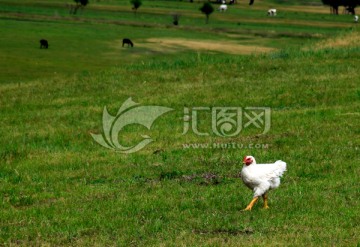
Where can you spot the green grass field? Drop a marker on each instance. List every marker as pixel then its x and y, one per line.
pixel 58 187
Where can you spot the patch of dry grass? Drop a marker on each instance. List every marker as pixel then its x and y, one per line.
pixel 205 45
pixel 350 39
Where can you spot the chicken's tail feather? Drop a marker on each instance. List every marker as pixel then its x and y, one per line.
pixel 281 167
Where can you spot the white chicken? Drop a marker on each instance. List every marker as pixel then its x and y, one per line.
pixel 261 178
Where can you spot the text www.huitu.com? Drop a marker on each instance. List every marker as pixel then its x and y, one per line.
pixel 230 145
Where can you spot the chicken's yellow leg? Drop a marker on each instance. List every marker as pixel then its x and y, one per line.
pixel 251 204
pixel 265 197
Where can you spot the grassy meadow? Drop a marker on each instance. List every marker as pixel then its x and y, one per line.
pixel 59 187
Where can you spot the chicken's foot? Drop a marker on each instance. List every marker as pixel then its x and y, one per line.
pixel 251 204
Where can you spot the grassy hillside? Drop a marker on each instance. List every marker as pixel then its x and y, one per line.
pixel 60 188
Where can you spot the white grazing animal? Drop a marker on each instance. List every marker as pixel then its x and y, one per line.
pixel 223 8
pixel 272 12
pixel 261 178
pixel 356 18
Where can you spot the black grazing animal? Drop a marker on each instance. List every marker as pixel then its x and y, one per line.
pixel 44 43
pixel 128 42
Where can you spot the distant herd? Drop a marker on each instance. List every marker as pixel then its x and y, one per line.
pixel 223 7
pixel 45 44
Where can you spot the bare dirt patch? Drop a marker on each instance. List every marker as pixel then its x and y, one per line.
pixel 170 44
